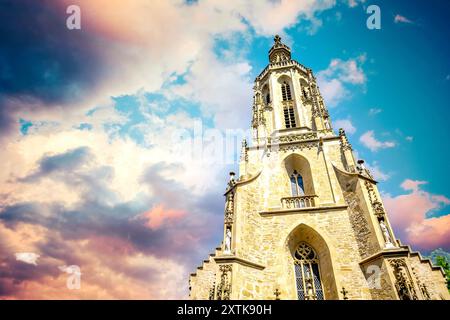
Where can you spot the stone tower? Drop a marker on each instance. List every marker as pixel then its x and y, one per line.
pixel 304 220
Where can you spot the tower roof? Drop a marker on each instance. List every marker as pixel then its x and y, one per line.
pixel 279 51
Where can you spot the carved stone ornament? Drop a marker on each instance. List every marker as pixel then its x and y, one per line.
pixel 300 146
pixel 403 281
pixel 212 291
pixel 224 287
pixel 229 208
pixel 227 242
pixel 377 206
pixel 345 145
pixel 296 137
pixel 378 209
pixel 423 288
pixel 244 150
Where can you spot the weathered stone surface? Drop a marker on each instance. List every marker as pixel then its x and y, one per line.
pixel 340 219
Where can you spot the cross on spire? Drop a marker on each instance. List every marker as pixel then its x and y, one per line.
pixel 277 39
pixel 277 294
pixel 344 293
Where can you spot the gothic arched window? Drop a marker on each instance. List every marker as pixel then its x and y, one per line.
pixel 297 184
pixel 307 276
pixel 286 91
pixel 289 116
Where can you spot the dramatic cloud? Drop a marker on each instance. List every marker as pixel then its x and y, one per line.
pixel 100 167
pixel 83 196
pixel 368 140
pixel 413 218
pixel 27 257
pixel 82 179
pixel 158 215
pixel 345 124
pixel 334 80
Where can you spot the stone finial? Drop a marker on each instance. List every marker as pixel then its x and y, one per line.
pixel 277 39
pixel 231 183
pixel 244 153
pixel 344 141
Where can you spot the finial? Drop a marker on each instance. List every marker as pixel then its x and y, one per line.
pixel 277 39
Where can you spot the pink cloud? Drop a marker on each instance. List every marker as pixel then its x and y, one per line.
pixel 408 214
pixel 158 215
pixel 412 184
pixel 134 275
pixel 401 19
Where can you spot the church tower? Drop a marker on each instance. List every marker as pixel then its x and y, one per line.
pixel 303 219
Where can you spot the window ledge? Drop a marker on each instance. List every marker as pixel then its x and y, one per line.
pixel 280 211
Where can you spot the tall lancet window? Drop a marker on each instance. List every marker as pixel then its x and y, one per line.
pixel 297 184
pixel 289 116
pixel 286 91
pixel 307 275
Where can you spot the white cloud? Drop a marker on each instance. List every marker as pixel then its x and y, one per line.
pixel 409 138
pixel 334 80
pixel 345 124
pixel 140 57
pixel 224 90
pixel 374 111
pixel 271 17
pixel 333 91
pixel 27 257
pixel 377 173
pixel 354 3
pixel 368 140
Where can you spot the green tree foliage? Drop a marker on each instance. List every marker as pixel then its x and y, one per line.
pixel 442 258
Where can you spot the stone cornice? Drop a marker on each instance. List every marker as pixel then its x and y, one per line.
pixel 300 210
pixel 401 251
pixel 282 65
pixel 355 174
pixel 385 253
pixel 421 258
pixel 234 259
pixel 272 146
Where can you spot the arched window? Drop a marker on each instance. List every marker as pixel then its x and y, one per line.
pixel 289 116
pixel 286 91
pixel 309 286
pixel 297 184
pixel 267 98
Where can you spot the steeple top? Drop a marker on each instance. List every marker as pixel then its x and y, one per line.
pixel 279 51
pixel 277 39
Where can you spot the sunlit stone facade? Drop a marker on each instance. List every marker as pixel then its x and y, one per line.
pixel 304 219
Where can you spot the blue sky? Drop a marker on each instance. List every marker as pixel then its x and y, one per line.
pixel 91 119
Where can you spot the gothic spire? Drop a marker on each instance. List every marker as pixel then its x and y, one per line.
pixel 279 51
